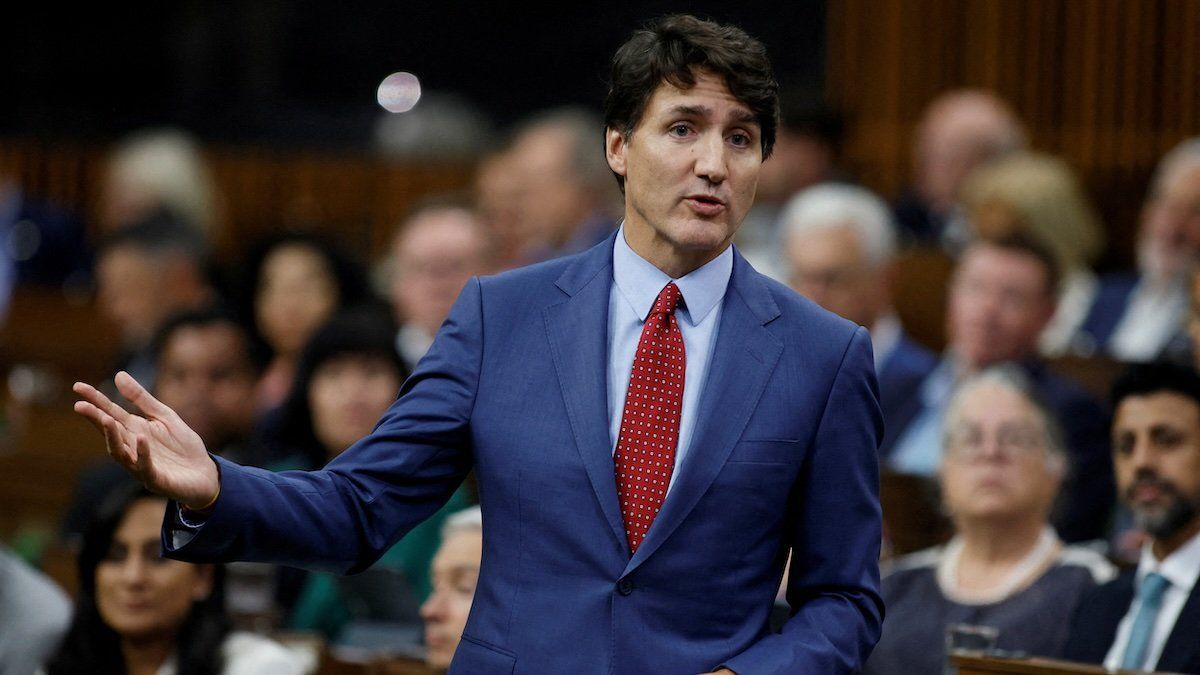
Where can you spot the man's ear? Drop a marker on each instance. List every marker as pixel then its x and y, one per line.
pixel 615 143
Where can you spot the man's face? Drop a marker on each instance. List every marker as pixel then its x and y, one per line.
pixel 690 167
pixel 455 573
pixel 1156 454
pixel 1169 242
pixel 999 303
pixel 204 374
pixel 434 257
pixel 830 267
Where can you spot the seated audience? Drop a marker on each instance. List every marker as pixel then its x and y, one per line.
pixel 348 375
pixel 1040 195
pixel 296 281
pixel 34 614
pixel 839 242
pixel 145 273
pixel 1149 617
pixel 1141 317
pixel 1005 568
pixel 1001 297
pixel 139 613
pixel 455 574
pixel 959 131
pixel 435 251
pixel 207 372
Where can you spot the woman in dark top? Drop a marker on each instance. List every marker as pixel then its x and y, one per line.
pixel 1005 568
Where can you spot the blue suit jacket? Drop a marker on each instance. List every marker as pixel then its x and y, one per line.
pixel 784 455
pixel 1094 627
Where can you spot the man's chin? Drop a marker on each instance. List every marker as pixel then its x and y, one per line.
pixel 1162 522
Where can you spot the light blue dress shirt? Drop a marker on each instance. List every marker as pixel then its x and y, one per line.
pixel 636 284
pixel 919 448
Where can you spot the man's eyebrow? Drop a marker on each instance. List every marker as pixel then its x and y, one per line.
pixel 691 110
pixel 738 116
pixel 742 116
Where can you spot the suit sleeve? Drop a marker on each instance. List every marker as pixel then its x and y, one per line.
pixel 342 518
pixel 833 582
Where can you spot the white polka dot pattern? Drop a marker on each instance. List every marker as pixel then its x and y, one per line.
pixel 645 454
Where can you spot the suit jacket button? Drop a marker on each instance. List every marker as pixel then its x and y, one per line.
pixel 625 587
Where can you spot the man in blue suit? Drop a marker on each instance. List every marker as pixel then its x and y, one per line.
pixel 653 424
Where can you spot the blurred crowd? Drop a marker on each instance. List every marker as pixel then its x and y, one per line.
pixel 1025 458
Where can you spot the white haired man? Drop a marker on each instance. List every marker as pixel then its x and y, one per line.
pixel 839 245
pixel 1140 317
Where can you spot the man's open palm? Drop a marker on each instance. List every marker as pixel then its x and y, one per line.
pixel 158 449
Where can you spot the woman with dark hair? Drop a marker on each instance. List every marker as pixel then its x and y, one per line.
pixel 139 613
pixel 296 281
pixel 347 376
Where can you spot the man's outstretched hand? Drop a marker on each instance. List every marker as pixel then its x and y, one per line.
pixel 158 449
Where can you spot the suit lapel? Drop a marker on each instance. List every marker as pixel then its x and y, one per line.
pixel 1108 617
pixel 1180 652
pixel 578 334
pixel 743 357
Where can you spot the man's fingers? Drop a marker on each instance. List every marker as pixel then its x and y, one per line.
pixel 91 413
pixel 105 424
pixel 137 394
pixel 144 461
pixel 98 400
pixel 116 441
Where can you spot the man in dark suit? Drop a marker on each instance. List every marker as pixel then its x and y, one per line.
pixel 652 423
pixel 1149 618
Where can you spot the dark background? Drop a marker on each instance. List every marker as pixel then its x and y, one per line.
pixel 306 72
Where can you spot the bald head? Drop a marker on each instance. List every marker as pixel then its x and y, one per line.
pixel 959 131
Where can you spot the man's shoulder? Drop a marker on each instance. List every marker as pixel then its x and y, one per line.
pixel 549 276
pixel 794 309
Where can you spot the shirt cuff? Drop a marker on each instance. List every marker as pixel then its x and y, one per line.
pixel 185 526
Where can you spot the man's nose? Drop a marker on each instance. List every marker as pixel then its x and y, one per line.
pixel 1141 457
pixel 709 153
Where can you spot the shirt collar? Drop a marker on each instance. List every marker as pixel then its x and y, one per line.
pixel 1181 568
pixel 640 282
pixel 885 337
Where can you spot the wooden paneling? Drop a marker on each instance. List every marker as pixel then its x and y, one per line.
pixel 1108 85
pixel 358 199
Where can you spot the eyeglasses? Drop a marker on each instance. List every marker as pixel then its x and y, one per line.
pixel 971 443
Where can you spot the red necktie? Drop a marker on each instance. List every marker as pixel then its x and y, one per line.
pixel 645 453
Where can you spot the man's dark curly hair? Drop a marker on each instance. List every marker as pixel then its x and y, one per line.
pixel 673 49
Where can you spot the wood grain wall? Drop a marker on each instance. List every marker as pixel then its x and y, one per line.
pixel 1109 85
pixel 356 198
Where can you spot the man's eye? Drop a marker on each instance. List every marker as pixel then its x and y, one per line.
pixel 680 130
pixel 740 140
